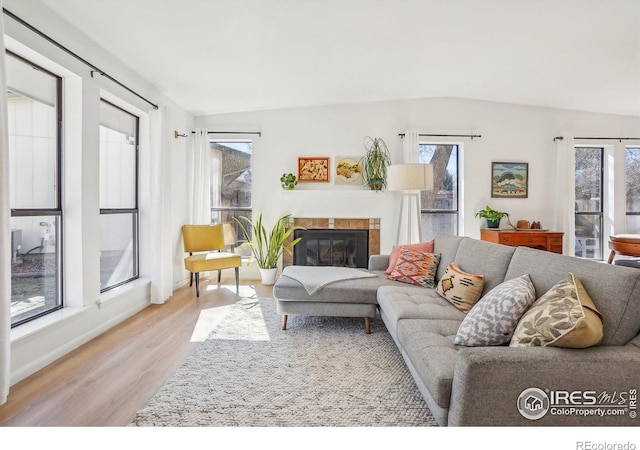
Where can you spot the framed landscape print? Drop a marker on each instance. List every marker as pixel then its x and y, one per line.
pixel 312 168
pixel 348 170
pixel 509 180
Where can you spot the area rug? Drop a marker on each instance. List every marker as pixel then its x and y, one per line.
pixel 321 372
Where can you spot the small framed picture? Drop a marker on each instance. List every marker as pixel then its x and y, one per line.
pixel 313 169
pixel 510 179
pixel 348 170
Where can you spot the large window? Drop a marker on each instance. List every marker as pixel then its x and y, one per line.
pixel 439 208
pixel 118 196
pixel 632 165
pixel 34 113
pixel 588 207
pixel 230 182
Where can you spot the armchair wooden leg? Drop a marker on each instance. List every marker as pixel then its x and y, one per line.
pixel 197 284
pixel 219 275
pixel 190 278
pixel 367 325
pixel 237 280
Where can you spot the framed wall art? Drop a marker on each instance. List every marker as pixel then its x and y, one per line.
pixel 348 170
pixel 313 168
pixel 509 179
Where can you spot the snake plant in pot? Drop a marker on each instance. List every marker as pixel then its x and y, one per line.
pixel 267 247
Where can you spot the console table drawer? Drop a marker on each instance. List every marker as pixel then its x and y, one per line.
pixel 550 241
pixel 527 241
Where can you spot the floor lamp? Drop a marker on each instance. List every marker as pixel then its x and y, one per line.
pixel 410 179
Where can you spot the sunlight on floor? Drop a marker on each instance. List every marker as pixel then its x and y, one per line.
pixel 247 307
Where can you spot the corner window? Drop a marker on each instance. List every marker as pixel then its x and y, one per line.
pixel 439 208
pixel 118 196
pixel 34 113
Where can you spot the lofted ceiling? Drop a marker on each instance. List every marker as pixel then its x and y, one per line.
pixel 218 56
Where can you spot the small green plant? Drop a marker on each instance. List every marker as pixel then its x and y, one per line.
pixel 288 181
pixel 268 247
pixel 492 216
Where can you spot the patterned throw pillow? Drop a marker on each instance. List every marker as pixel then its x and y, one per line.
pixel 462 289
pixel 416 267
pixel 494 318
pixel 426 247
pixel 564 316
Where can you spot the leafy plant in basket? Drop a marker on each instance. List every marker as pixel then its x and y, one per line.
pixel 267 248
pixel 375 163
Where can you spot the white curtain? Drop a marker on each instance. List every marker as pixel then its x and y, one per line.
pixel 162 234
pixel 565 187
pixel 410 147
pixel 200 177
pixel 5 231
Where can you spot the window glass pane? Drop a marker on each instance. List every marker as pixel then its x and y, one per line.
pixel 588 236
pixel 632 165
pixel 35 266
pixel 588 179
pixel 33 138
pixel 444 199
pixel 633 224
pixel 117 158
pixel 231 182
pixel 118 249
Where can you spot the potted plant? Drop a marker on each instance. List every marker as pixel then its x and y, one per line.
pixel 375 162
pixel 288 181
pixel 492 216
pixel 267 248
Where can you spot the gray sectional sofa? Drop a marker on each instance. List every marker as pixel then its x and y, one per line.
pixel 478 386
pixel 482 385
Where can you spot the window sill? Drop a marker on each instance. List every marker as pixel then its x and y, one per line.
pixel 41 323
pixel 113 294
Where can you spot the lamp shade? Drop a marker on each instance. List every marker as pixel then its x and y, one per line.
pixel 409 177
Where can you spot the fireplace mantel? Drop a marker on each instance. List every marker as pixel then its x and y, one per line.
pixel 335 223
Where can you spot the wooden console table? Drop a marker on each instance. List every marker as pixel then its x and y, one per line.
pixel 550 241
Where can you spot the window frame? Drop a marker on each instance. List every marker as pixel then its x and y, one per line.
pixel 426 212
pixel 56 212
pixel 135 212
pixel 628 213
pixel 600 213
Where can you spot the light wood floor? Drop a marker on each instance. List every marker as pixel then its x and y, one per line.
pixel 106 381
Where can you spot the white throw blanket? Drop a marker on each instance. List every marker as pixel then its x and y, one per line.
pixel 314 278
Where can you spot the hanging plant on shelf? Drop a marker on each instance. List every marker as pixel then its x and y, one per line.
pixel 375 162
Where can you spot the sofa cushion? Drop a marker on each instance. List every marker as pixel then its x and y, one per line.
pixel 413 302
pixel 615 290
pixel 426 247
pixel 494 318
pixel 446 245
pixel 428 344
pixel 460 288
pixel 416 267
pixel 491 260
pixel 564 316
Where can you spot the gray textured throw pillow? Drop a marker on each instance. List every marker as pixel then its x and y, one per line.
pixel 495 317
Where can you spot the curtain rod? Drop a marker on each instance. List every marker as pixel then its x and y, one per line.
pixel 75 55
pixel 619 139
pixel 177 134
pixel 445 135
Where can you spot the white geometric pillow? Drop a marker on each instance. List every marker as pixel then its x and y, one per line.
pixel 495 317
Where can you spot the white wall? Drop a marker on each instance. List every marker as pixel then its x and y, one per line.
pixel 509 133
pixel 87 312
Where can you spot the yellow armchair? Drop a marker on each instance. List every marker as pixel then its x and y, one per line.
pixel 205 245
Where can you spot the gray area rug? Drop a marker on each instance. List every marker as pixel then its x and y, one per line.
pixel 321 372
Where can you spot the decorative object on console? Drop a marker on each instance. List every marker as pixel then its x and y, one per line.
pixel 348 170
pixel 288 181
pixel 375 162
pixel 267 248
pixel 416 267
pixel 492 216
pixel 509 180
pixel 564 316
pixel 410 179
pixel 313 168
pixel 461 289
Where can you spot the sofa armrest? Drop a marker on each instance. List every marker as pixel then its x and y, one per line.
pixel 489 380
pixel 378 262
